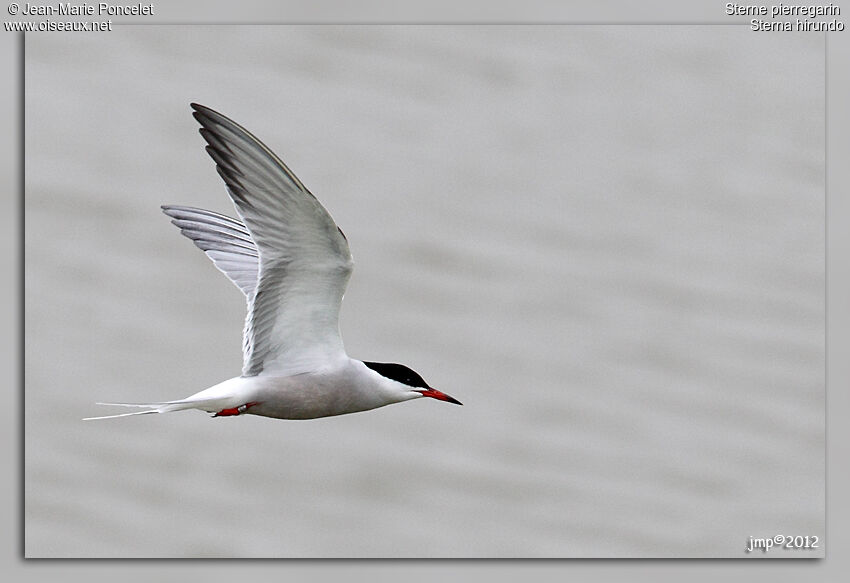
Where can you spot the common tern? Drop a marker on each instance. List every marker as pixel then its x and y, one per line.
pixel 292 262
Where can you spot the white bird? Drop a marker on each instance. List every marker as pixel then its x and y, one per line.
pixel 292 263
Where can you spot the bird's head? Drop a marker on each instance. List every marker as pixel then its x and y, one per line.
pixel 414 383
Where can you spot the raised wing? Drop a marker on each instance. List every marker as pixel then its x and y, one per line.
pixel 225 240
pixel 304 259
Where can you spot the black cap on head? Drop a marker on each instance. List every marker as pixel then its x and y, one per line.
pixel 399 373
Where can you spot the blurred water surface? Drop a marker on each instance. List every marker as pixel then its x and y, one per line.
pixel 608 242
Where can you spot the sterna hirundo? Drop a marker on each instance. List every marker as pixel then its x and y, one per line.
pixel 292 262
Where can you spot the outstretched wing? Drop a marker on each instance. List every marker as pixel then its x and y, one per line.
pixel 225 240
pixel 304 262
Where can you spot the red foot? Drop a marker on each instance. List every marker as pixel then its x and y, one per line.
pixel 236 410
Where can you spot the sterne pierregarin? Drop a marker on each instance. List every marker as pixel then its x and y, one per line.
pixel 292 262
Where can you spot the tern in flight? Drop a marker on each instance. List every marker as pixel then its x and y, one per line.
pixel 292 262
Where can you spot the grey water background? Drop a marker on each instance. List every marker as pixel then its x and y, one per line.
pixel 608 242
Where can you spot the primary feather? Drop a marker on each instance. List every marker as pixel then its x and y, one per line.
pixel 224 240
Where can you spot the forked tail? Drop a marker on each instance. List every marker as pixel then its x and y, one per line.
pixel 164 407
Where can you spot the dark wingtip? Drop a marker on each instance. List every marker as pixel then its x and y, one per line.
pixel 199 112
pixel 204 115
pixel 203 112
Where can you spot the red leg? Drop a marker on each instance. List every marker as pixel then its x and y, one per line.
pixel 236 410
